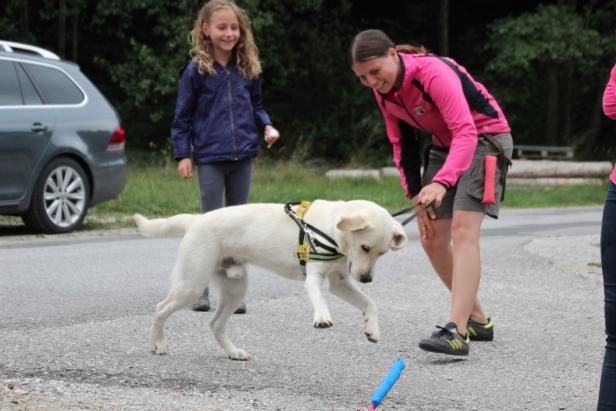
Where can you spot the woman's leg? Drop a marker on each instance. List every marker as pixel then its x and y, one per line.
pixel 466 226
pixel 607 393
pixel 441 255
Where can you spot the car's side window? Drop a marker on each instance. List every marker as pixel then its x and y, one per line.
pixel 56 86
pixel 9 88
pixel 31 97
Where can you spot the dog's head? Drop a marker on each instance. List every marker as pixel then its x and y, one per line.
pixel 366 232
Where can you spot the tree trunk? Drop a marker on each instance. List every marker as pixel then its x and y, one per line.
pixel 565 108
pixel 62 28
pixel 552 106
pixel 594 125
pixel 75 36
pixel 444 27
pixel 25 16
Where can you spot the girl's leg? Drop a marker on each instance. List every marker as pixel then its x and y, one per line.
pixel 440 252
pixel 211 186
pixel 607 394
pixel 466 226
pixel 237 183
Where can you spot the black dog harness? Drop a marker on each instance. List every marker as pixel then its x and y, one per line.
pixel 313 244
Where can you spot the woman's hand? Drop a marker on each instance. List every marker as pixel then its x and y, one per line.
pixel 185 168
pixel 432 193
pixel 271 135
pixel 424 221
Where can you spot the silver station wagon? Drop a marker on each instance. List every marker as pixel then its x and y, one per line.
pixel 61 142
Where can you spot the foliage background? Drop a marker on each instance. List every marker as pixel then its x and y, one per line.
pixel 546 63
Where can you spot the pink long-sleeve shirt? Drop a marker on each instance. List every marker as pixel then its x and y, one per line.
pixel 436 95
pixel 609 106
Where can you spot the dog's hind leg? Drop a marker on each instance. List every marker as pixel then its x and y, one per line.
pixel 231 293
pixel 341 286
pixel 191 275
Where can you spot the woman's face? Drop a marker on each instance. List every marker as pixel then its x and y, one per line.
pixel 223 29
pixel 379 73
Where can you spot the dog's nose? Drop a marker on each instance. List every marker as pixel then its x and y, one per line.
pixel 365 278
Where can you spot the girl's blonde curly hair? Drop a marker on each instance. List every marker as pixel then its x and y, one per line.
pixel 202 51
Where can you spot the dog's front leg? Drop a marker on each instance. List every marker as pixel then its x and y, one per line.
pixel 341 286
pixel 314 288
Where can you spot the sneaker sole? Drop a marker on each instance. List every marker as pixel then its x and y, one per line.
pixel 478 338
pixel 441 350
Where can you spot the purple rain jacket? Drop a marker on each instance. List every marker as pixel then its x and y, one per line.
pixel 218 117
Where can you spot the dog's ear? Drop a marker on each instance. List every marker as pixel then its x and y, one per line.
pixel 352 222
pixel 399 238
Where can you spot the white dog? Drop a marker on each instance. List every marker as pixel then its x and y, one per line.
pixel 216 245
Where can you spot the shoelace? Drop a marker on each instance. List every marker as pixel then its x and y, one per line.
pixel 443 332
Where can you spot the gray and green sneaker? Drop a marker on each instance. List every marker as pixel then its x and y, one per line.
pixel 480 332
pixel 447 340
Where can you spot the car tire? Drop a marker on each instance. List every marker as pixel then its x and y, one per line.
pixel 60 198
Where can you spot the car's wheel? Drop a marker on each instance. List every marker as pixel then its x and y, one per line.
pixel 60 198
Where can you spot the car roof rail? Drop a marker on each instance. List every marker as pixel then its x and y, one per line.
pixel 12 46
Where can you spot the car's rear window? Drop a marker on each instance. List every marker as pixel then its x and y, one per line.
pixel 9 88
pixel 56 86
pixel 30 95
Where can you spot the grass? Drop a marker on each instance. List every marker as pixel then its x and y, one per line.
pixel 154 189
pixel 157 190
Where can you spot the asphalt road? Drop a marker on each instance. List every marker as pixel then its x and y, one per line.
pixel 75 315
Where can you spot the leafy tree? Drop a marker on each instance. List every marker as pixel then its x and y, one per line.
pixel 537 57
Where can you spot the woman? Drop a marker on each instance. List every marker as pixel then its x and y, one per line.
pixel 607 394
pixel 416 89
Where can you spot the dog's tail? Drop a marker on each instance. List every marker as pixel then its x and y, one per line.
pixel 161 227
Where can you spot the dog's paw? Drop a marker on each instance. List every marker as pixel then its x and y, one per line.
pixel 322 320
pixel 159 348
pixel 238 355
pixel 372 331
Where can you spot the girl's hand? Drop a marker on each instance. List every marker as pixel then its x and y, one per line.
pixel 185 168
pixel 271 135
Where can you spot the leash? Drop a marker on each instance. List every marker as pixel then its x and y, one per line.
pixel 413 212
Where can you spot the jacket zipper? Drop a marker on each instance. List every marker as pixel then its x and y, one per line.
pixel 231 114
pixel 415 120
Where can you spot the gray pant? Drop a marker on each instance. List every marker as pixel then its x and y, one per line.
pixel 231 178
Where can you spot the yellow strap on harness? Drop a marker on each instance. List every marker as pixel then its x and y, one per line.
pixel 302 208
pixel 303 250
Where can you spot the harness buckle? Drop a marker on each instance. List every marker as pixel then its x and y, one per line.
pixel 302 208
pixel 303 252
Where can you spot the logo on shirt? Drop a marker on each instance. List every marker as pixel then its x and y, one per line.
pixel 420 111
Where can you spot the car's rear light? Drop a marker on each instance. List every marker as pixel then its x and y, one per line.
pixel 117 140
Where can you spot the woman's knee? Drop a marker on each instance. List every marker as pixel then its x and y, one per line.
pixel 465 230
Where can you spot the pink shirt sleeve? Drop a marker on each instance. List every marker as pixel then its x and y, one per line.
pixel 394 136
pixel 446 91
pixel 609 96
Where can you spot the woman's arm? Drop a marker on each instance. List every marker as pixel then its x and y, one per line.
pixel 609 96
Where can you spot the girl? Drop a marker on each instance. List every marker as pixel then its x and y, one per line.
pixel 435 94
pixel 219 114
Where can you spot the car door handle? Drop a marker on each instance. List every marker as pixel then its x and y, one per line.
pixel 38 127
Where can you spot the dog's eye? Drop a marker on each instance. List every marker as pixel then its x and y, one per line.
pixel 365 248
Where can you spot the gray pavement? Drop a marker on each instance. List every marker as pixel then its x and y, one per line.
pixel 76 313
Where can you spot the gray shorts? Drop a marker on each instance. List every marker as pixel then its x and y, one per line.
pixel 467 194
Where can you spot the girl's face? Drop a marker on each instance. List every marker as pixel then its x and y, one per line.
pixel 224 30
pixel 380 73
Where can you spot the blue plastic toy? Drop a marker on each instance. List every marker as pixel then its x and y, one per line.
pixel 390 379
